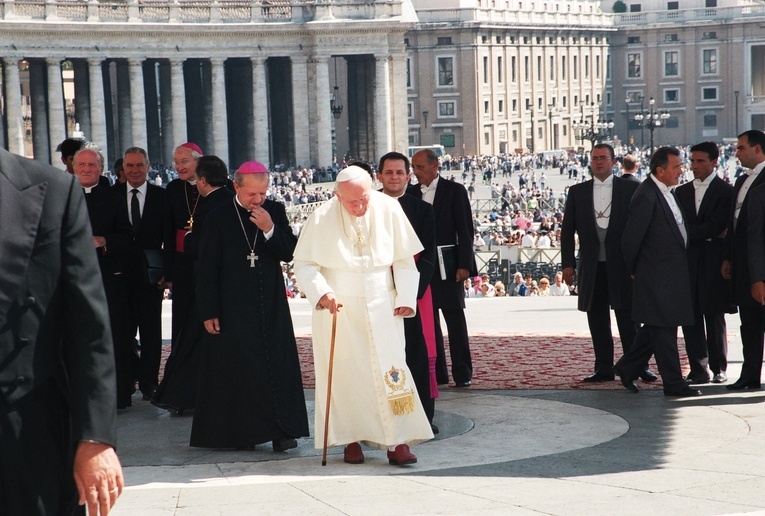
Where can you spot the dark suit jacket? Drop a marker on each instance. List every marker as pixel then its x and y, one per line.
pixel 180 204
pixel 54 323
pixel 579 217
pixel 108 218
pixel 654 251
pixel 420 215
pixel 151 231
pixel 737 244
pixel 454 226
pixel 706 249
pixel 756 233
pixel 213 200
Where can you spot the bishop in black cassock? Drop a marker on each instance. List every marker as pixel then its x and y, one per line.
pixel 250 389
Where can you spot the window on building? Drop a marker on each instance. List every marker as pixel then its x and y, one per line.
pixel 633 65
pixel 525 40
pixel 485 107
pixel 709 58
pixel 448 140
pixel 512 40
pixel 710 120
pixel 446 109
pixel 635 8
pixel 512 68
pixel 552 68
pixel 633 40
pixel 485 70
pixel 586 67
pixel 597 67
pixel 528 104
pixel 414 139
pixel 608 66
pixel 484 39
pixel 709 93
pixel 539 68
pixel 576 68
pixel 526 68
pixel 444 40
pixel 710 3
pixel 671 63
pixel 499 40
pixel 672 95
pixel 539 103
pixel 565 132
pixel 410 110
pixel 486 138
pixel 563 67
pixel 501 106
pixel 608 98
pixel 551 40
pixel 406 41
pixel 408 72
pixel 499 69
pixel 515 135
pixel 576 100
pixel 563 101
pixel 670 37
pixel 539 40
pixel 446 71
pixel 673 6
pixel 515 105
pixel 709 35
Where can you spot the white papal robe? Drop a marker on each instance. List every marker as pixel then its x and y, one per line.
pixel 374 398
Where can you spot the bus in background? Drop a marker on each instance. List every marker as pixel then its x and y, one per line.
pixel 438 149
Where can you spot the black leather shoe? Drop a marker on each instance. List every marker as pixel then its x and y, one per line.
pixel 741 384
pixel 149 394
pixel 281 445
pixel 696 380
pixel 463 384
pixel 685 392
pixel 628 383
pixel 648 376
pixel 434 429
pixel 598 377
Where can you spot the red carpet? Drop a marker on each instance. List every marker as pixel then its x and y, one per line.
pixel 508 361
pixel 522 362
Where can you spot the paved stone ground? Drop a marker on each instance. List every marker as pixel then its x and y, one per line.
pixel 499 452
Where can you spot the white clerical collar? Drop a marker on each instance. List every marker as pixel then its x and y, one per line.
pixel 88 189
pixel 664 188
pixel 192 182
pixel 236 198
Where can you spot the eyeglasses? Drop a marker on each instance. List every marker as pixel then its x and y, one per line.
pixel 600 158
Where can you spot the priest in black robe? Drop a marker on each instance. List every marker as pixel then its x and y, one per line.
pixel 250 389
pixel 177 391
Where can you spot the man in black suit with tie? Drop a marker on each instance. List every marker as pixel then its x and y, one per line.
pixel 112 237
pixel 750 151
pixel 654 246
pixel 451 209
pixel 57 399
pixel 706 203
pixel 145 205
pixel 394 173
pixel 596 210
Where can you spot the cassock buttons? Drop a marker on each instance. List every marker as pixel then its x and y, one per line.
pixel 30 301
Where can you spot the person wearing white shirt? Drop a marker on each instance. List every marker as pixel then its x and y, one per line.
pixel 528 239
pixel 559 288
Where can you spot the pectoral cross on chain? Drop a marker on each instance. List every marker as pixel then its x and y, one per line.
pixel 359 241
pixel 252 257
pixel 190 222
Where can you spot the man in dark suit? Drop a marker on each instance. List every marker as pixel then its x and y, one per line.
pixel 145 205
pixel 112 237
pixel 57 399
pixel 750 151
pixel 451 209
pixel 394 173
pixel 629 169
pixel 706 203
pixel 654 247
pixel 596 210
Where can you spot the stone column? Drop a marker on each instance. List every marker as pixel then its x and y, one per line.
pixel 56 111
pixel 323 120
pixel 399 118
pixel 260 151
pixel 82 97
pixel 166 111
pixel 97 103
pixel 178 89
pixel 383 118
pixel 300 110
pixel 137 103
pixel 219 115
pixel 41 149
pixel 13 106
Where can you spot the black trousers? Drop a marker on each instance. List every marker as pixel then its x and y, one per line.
pixel 752 330
pixel 599 321
pixel 717 342
pixel 661 342
pixel 459 347
pixel 146 318
pixel 418 363
pixel 183 293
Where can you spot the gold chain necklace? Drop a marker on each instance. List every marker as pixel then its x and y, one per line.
pixel 252 256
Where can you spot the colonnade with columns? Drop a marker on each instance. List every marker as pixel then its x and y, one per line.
pixel 272 109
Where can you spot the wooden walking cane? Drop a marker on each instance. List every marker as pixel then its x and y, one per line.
pixel 329 387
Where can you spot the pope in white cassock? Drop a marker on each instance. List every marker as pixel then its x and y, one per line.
pixel 355 256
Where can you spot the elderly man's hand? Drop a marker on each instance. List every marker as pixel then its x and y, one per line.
pixel 403 311
pixel 98 474
pixel 329 301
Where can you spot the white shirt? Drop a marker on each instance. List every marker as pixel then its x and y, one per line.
pixel 141 198
pixel 527 240
pixel 602 195
pixel 429 192
pixel 745 189
pixel 544 242
pixel 555 290
pixel 700 188
pixel 676 211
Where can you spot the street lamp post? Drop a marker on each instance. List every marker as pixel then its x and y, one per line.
pixel 736 94
pixel 592 130
pixel 627 101
pixel 652 119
